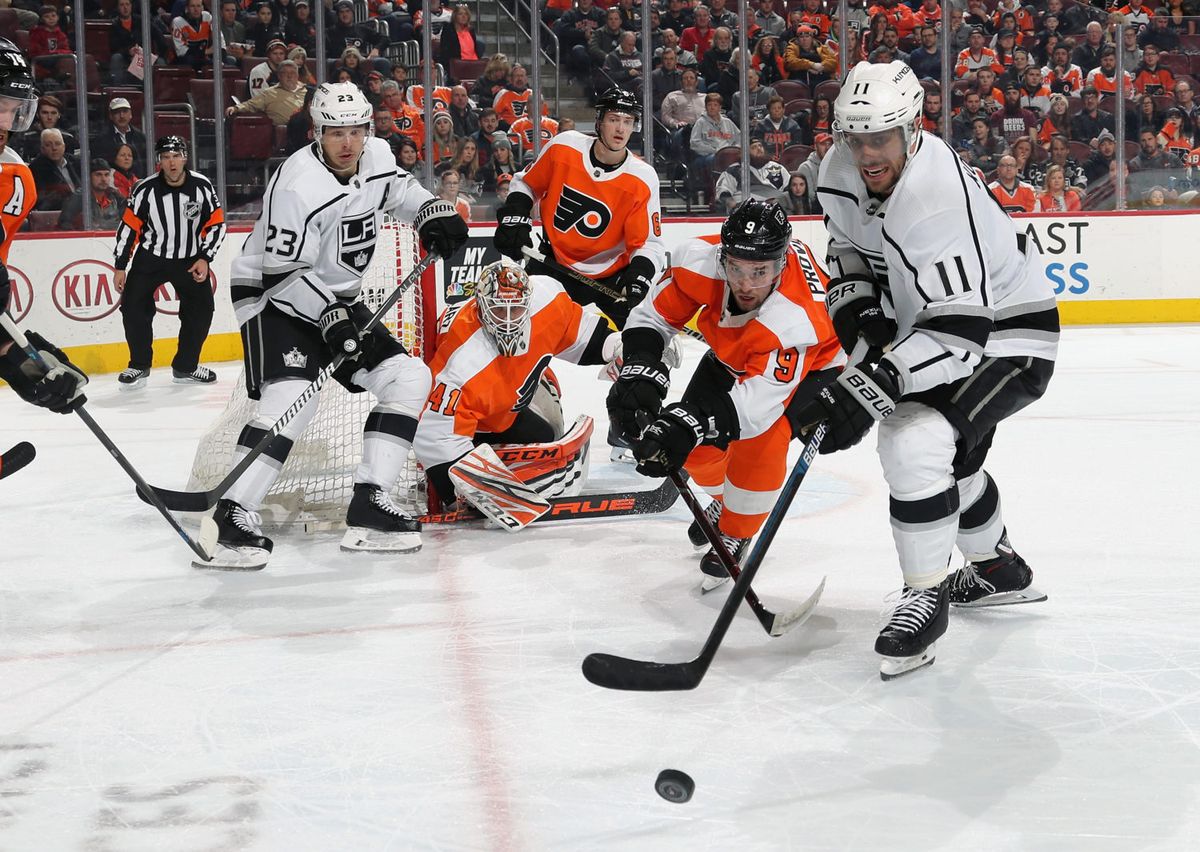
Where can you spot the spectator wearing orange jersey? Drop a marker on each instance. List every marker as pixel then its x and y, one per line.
pixel 897 14
pixel 928 13
pixel 1035 95
pixel 513 101
pixel 1057 120
pixel 1056 196
pixel 1150 77
pixel 1136 15
pixel 976 56
pixel 1025 21
pixel 443 96
pixel 991 96
pixel 812 15
pixel 1061 75
pixel 1014 195
pixel 409 121
pixel 1104 78
pixel 520 133
pixel 1174 138
pixel 192 35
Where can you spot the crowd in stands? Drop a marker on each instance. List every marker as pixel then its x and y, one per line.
pixel 1032 103
pixel 1032 83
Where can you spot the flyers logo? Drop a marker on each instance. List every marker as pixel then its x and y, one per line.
pixel 585 214
pixel 530 385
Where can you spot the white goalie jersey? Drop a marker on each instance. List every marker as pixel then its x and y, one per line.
pixel 947 258
pixel 316 235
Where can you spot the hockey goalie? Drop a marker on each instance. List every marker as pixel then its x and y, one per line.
pixel 492 435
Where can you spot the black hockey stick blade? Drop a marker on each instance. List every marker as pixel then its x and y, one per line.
pixel 613 672
pixel 584 507
pixel 202 501
pixel 16 458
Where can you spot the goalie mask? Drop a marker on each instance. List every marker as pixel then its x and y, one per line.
pixel 503 299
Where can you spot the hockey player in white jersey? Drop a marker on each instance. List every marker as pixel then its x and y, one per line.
pixel 294 288
pixel 927 267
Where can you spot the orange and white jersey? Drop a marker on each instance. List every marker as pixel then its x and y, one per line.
pixel 17 197
pixel 1022 199
pixel 1108 85
pixel 410 122
pixel 595 217
pixel 441 97
pixel 521 134
pixel 475 389
pixel 768 350
pixel 510 105
pixel 1072 76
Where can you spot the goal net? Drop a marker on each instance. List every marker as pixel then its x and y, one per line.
pixel 316 483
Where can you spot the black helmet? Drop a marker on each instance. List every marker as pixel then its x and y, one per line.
pixel 756 230
pixel 16 84
pixel 618 100
pixel 170 143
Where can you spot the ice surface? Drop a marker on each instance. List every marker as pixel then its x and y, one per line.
pixel 348 702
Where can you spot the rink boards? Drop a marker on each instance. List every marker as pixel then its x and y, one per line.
pixel 1106 268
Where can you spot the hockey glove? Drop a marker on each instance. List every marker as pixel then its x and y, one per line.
pixel 850 406
pixel 340 332
pixel 514 229
pixel 440 228
pixel 58 387
pixel 856 310
pixel 668 441
pixel 636 280
pixel 641 386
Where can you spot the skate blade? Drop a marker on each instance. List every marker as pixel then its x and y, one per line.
pixel 362 540
pixel 621 455
pixel 1022 596
pixel 138 385
pixel 235 559
pixel 710 584
pixel 891 668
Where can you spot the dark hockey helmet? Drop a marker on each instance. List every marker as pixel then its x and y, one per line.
pixel 756 230
pixel 18 99
pixel 176 144
pixel 617 99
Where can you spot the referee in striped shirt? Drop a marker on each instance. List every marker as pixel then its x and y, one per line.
pixel 175 222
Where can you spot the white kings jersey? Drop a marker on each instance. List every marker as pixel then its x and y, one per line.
pixel 946 255
pixel 596 217
pixel 316 236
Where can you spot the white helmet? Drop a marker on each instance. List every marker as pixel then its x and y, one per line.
pixel 878 97
pixel 502 297
pixel 339 105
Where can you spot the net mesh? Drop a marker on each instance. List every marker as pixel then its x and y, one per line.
pixel 317 481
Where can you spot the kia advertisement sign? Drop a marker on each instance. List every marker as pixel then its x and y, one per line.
pixel 20 294
pixel 83 291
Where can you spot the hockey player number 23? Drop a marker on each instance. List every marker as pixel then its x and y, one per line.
pixel 435 399
pixel 785 364
pixel 287 241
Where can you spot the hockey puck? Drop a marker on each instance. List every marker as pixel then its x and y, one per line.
pixel 674 786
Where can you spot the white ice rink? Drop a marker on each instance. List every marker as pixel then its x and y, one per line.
pixel 435 702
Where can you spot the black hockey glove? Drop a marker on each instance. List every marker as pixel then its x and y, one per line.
pixel 58 387
pixel 669 440
pixel 440 227
pixel 641 387
pixel 856 310
pixel 514 228
pixel 850 406
pixel 340 332
pixel 636 279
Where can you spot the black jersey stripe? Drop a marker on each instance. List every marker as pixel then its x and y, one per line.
pixel 167 231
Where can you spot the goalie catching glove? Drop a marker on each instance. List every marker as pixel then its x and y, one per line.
pixel 850 406
pixel 514 228
pixel 440 228
pixel 58 386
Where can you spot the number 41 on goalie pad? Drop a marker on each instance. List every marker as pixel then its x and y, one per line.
pixel 509 483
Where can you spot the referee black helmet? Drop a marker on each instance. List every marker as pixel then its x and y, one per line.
pixel 173 143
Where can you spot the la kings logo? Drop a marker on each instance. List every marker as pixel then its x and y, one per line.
pixel 585 214
pixel 357 242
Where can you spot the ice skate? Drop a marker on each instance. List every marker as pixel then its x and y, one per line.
pixel 132 378
pixel 234 536
pixel 919 618
pixel 715 574
pixel 198 376
pixel 1001 581
pixel 620 450
pixel 376 524
pixel 695 533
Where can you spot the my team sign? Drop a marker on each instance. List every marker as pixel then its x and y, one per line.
pixel 83 291
pixel 20 294
pixel 464 269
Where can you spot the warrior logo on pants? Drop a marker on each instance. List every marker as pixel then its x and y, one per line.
pixel 582 212
pixel 356 243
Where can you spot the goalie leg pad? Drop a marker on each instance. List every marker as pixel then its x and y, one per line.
pixel 556 469
pixel 488 485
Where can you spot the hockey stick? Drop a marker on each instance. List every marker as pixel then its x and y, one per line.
pixel 16 458
pixel 776 624
pixel 613 672
pixel 21 340
pixel 202 501
pixel 585 507
pixel 602 289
